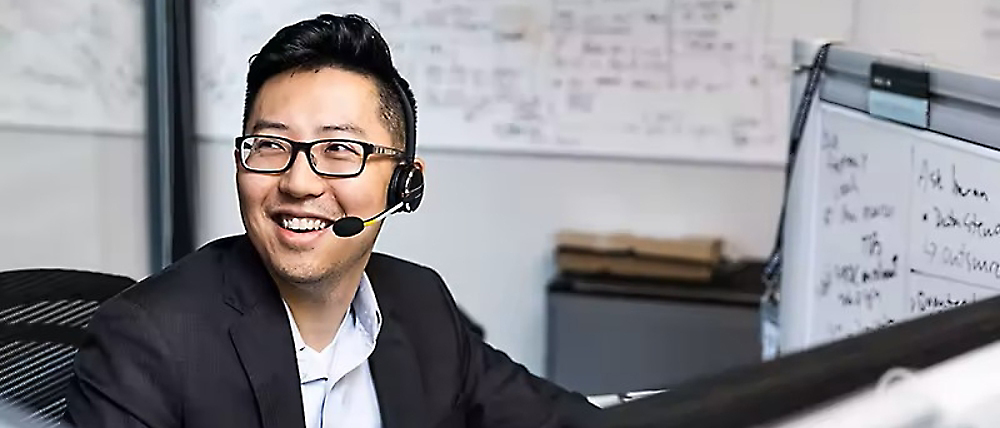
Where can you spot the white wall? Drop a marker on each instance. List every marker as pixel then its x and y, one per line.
pixel 487 222
pixel 72 194
pixel 73 200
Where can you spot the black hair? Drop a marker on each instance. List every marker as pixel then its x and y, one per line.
pixel 348 42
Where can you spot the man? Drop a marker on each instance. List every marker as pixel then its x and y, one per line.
pixel 293 325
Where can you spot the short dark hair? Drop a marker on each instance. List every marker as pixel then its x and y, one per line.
pixel 348 42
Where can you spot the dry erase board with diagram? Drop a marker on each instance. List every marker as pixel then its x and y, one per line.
pixel 72 64
pixel 653 79
pixel 702 80
pixel 685 79
pixel 889 221
pixel 676 79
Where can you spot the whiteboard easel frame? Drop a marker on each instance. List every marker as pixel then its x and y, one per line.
pixel 962 105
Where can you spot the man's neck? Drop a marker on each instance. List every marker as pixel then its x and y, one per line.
pixel 318 310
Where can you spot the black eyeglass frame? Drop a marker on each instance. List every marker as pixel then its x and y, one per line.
pixel 303 146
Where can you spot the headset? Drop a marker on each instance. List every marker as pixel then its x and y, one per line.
pixel 406 187
pixel 407 184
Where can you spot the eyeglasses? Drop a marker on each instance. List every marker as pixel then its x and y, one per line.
pixel 334 157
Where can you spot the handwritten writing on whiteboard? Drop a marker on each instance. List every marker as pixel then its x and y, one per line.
pixel 930 294
pixel 925 302
pixel 968 222
pixel 907 224
pixel 72 63
pixel 954 228
pixel 654 78
pixel 475 61
pixel 862 266
pixel 955 223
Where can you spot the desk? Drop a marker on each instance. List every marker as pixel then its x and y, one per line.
pixel 606 336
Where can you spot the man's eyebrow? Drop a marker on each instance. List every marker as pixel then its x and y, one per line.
pixel 262 124
pixel 343 127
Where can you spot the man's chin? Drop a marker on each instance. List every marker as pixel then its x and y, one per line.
pixel 309 265
pixel 305 276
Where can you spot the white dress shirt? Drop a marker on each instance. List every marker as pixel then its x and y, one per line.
pixel 336 383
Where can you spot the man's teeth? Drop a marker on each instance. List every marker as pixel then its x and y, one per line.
pixel 295 223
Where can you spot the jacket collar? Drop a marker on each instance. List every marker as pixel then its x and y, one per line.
pixel 262 337
pixel 263 340
pixel 394 363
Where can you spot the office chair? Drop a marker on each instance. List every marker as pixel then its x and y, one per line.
pixel 43 314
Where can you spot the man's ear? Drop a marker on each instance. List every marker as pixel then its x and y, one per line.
pixel 419 163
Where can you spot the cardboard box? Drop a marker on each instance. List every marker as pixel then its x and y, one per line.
pixel 699 250
pixel 630 266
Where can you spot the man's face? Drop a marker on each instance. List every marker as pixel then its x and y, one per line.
pixel 307 105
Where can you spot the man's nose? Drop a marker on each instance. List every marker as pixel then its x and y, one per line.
pixel 300 181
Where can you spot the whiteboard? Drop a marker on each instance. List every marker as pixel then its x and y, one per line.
pixel 702 80
pixel 72 64
pixel 899 223
pixel 707 79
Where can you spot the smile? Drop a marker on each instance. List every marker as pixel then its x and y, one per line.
pixel 302 224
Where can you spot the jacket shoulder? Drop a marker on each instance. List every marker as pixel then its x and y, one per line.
pixel 396 275
pixel 184 284
pixel 385 263
pixel 407 286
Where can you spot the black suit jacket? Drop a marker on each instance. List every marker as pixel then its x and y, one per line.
pixel 206 343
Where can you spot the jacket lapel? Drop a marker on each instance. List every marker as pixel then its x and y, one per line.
pixel 263 339
pixel 269 362
pixel 397 379
pixel 394 366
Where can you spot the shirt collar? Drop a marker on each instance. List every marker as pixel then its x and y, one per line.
pixel 364 312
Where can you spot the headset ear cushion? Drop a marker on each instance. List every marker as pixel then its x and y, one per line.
pixel 414 189
pixel 407 186
pixel 395 191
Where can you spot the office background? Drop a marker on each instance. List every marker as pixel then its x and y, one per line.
pixel 76 165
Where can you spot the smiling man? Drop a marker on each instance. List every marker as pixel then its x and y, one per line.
pixel 298 323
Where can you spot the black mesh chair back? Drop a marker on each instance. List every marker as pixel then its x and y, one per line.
pixel 43 316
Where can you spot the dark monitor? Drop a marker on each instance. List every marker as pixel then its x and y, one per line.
pixel 765 393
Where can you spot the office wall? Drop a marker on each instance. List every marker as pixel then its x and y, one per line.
pixel 72 150
pixel 73 200
pixel 488 221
